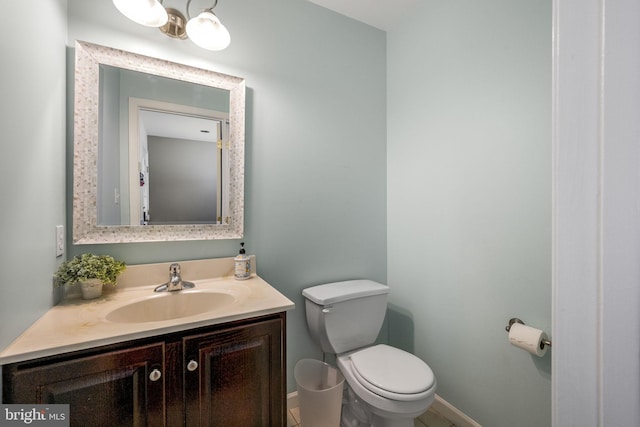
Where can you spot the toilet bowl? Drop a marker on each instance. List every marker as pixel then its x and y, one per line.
pixel 392 385
pixel 386 386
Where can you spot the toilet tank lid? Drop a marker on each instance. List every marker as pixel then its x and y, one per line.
pixel 331 293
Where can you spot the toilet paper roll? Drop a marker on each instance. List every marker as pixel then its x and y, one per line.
pixel 528 338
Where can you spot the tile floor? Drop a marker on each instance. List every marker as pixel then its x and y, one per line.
pixel 428 419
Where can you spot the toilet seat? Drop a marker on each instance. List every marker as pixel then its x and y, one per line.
pixel 392 373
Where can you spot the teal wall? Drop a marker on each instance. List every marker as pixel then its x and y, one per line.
pixel 32 163
pixel 315 201
pixel 469 199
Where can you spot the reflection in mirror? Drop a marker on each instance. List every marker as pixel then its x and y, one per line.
pixel 184 143
pixel 158 151
pixel 178 162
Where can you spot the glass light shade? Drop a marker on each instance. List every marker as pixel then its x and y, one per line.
pixel 207 31
pixel 150 13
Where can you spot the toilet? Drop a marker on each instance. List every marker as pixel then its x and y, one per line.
pixel 385 386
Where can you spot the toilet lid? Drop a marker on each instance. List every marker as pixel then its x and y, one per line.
pixel 390 371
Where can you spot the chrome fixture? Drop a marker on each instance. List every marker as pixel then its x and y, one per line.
pixel 205 30
pixel 175 282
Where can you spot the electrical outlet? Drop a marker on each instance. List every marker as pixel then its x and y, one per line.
pixel 59 240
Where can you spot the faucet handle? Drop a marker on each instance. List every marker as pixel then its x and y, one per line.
pixel 174 268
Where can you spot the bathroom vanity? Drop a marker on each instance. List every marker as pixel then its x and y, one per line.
pixel 221 367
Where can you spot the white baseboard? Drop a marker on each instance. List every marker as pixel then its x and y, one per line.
pixel 439 405
pixel 453 414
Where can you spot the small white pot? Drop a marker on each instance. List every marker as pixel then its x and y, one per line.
pixel 91 288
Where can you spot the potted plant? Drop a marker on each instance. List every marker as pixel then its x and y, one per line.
pixel 91 271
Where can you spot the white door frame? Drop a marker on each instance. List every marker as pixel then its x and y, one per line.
pixel 596 213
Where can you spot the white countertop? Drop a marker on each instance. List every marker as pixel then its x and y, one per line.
pixel 77 324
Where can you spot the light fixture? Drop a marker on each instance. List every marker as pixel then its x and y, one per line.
pixel 150 13
pixel 205 30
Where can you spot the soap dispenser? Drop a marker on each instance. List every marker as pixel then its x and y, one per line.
pixel 242 269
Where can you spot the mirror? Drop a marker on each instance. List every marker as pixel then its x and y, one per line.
pixel 158 150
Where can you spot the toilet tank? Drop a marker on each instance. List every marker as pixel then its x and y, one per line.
pixel 344 316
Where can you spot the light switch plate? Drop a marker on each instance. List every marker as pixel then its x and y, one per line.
pixel 59 240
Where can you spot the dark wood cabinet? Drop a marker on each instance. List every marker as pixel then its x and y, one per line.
pixel 109 389
pixel 230 376
pixel 224 375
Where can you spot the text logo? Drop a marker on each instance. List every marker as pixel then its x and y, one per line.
pixel 34 415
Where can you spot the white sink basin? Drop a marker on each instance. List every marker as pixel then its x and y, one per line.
pixel 171 305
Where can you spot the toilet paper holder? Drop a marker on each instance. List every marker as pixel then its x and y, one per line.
pixel 516 320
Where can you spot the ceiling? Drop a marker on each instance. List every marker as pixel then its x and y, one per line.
pixel 377 13
pixel 181 126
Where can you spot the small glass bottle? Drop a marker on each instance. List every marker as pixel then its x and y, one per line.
pixel 242 270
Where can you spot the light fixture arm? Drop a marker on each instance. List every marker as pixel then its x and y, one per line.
pixel 210 9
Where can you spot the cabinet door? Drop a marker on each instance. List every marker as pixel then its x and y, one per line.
pixel 238 379
pixel 119 388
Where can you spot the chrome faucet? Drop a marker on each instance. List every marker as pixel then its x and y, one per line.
pixel 175 282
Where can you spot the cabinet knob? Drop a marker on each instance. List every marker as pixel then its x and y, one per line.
pixel 155 375
pixel 192 365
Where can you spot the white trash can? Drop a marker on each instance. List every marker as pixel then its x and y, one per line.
pixel 320 388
